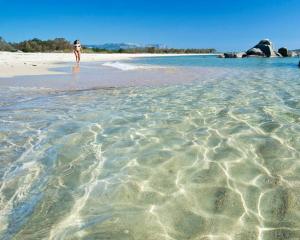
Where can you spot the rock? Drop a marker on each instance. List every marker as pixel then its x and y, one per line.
pixel 267 50
pixel 255 51
pixel 241 55
pixel 299 64
pixel 266 42
pixel 235 55
pixel 263 49
pixel 286 53
pixel 292 54
pixel 229 55
pixel 265 46
pixel 283 51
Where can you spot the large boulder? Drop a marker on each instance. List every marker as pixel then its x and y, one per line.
pixel 255 52
pixel 266 49
pixel 286 53
pixel 283 51
pixel 299 64
pixel 264 46
pixel 265 42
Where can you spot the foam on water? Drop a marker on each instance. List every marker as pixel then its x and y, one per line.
pixel 215 159
pixel 125 66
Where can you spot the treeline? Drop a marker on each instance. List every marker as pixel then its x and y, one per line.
pixel 151 50
pixel 4 46
pixel 62 45
pixel 37 45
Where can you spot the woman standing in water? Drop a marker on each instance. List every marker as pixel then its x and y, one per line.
pixel 77 49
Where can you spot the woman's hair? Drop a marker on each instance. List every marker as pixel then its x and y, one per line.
pixel 76 42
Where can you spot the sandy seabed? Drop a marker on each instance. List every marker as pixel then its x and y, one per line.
pixel 20 64
pixel 58 71
pixel 204 153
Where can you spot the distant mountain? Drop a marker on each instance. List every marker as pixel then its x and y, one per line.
pixel 118 46
pixel 113 46
pixel 159 46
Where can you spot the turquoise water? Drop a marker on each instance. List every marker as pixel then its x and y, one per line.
pixel 214 159
pixel 212 61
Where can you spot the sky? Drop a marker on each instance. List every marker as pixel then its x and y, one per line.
pixel 227 25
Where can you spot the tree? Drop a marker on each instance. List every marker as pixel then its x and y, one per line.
pixel 4 46
pixel 37 45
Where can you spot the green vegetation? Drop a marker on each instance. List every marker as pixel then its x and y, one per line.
pixel 37 45
pixel 4 46
pixel 150 50
pixel 62 45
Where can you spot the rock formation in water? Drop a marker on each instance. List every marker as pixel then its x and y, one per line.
pixel 286 53
pixel 263 49
pixel 233 55
pixel 283 51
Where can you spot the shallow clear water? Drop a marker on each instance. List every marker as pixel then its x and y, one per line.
pixel 215 159
pixel 213 61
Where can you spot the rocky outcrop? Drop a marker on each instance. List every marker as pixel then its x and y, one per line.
pixel 241 55
pixel 265 42
pixel 229 55
pixel 255 52
pixel 263 49
pixel 283 51
pixel 233 55
pixel 286 53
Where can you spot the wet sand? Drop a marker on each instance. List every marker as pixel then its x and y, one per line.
pixel 96 75
pixel 24 64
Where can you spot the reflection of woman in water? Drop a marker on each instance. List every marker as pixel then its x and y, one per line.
pixel 76 69
pixel 77 49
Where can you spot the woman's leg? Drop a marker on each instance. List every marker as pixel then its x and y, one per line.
pixel 78 56
pixel 75 52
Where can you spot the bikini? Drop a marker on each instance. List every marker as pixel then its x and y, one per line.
pixel 77 47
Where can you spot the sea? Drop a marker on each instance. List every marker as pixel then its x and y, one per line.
pixel 213 158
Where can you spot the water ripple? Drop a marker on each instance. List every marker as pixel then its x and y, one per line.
pixel 217 159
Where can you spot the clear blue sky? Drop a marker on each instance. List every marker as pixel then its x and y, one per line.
pixel 223 24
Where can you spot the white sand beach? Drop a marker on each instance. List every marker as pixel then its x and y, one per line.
pixel 23 64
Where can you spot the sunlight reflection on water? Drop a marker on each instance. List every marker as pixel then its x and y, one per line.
pixel 204 160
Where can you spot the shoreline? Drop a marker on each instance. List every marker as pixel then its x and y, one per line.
pixel 13 64
pixel 97 75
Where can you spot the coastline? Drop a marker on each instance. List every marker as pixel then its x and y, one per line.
pixel 13 64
